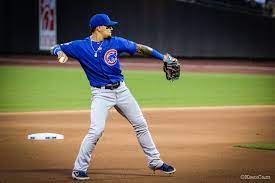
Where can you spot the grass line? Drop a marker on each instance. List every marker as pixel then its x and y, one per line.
pixel 42 89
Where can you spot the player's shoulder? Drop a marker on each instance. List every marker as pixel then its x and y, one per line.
pixel 121 40
pixel 81 41
pixel 114 40
pixel 117 38
pixel 72 43
pixel 78 43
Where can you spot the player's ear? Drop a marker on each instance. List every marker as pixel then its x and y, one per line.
pixel 99 28
pixel 96 29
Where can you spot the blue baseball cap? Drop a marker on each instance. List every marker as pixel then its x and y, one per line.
pixel 101 19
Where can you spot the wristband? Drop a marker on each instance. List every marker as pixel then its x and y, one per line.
pixel 157 54
pixel 55 49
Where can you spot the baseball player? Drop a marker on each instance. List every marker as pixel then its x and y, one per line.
pixel 98 55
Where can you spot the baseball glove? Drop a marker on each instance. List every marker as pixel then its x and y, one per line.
pixel 171 68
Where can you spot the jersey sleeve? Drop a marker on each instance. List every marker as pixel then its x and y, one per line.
pixel 70 49
pixel 126 46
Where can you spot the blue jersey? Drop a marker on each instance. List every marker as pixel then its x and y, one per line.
pixel 100 60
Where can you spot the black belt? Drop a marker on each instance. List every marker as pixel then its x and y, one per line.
pixel 111 86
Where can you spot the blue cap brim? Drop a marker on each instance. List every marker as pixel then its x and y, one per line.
pixel 112 23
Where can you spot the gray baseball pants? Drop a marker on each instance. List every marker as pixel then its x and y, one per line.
pixel 124 102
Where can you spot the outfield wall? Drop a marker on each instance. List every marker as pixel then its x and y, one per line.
pixel 167 25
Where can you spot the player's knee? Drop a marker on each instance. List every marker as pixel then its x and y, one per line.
pixel 140 126
pixel 94 134
pixel 99 133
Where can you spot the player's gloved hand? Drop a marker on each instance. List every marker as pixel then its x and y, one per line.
pixel 62 57
pixel 171 67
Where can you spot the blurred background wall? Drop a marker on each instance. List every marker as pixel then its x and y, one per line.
pixel 180 28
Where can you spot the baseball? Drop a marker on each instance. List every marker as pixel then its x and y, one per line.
pixel 62 60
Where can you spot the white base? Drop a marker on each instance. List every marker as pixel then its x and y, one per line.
pixel 45 136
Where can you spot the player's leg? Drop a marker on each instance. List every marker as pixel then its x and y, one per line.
pixel 129 108
pixel 102 101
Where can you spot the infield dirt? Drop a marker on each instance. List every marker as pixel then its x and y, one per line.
pixel 198 142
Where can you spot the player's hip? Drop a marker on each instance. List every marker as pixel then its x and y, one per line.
pixel 111 88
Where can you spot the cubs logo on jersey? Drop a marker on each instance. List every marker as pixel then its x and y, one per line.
pixel 110 57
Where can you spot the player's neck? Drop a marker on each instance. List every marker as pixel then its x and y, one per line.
pixel 96 37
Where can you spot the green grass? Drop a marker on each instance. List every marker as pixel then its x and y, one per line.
pixel 33 89
pixel 257 146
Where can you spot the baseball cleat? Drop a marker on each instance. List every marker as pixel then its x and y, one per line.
pixel 166 169
pixel 80 175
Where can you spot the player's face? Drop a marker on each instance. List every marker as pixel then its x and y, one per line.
pixel 106 31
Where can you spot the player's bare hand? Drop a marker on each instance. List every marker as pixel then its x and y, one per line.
pixel 62 57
